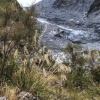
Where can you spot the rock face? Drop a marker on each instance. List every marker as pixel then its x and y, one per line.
pixel 70 12
pixel 95 6
pixel 72 4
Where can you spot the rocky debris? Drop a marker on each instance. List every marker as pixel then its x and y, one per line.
pixel 22 96
pixel 85 37
pixel 3 98
pixel 57 36
pixel 75 26
pixel 26 96
pixel 69 12
pixel 60 33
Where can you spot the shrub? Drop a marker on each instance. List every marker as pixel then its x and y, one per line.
pixel 96 74
pixel 17 29
pixel 30 80
pixel 79 78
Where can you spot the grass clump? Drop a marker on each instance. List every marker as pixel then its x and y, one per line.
pixel 30 80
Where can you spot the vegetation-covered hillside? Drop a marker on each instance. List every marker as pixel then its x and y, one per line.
pixel 26 67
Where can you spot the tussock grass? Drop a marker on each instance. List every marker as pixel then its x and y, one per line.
pixel 9 92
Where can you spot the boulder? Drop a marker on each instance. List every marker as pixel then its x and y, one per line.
pixel 3 98
pixel 25 96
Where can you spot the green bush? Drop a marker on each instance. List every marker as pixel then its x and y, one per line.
pixel 30 80
pixel 10 68
pixel 96 74
pixel 17 29
pixel 79 78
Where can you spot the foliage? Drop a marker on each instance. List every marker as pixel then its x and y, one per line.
pixel 8 91
pixel 30 80
pixel 32 69
pixel 79 78
pixel 84 72
pixel 96 74
pixel 17 28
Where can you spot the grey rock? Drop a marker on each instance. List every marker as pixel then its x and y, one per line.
pixel 60 33
pixel 3 98
pixel 26 96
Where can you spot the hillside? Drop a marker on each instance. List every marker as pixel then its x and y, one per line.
pixel 30 70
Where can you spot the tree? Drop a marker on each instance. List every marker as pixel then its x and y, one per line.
pixel 17 28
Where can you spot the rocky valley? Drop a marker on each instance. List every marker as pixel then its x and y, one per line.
pixel 68 21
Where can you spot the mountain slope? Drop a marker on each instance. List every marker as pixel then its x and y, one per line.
pixel 69 12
